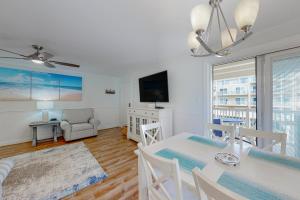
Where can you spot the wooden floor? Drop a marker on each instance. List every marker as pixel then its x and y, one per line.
pixel 114 153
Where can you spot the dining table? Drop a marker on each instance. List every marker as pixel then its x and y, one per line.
pixel 259 175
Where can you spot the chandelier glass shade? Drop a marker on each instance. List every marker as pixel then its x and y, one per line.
pixel 202 17
pixel 192 41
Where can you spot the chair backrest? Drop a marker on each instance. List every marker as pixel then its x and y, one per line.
pixel 211 189
pixel 228 130
pixel 81 115
pixel 159 170
pixel 275 138
pixel 151 133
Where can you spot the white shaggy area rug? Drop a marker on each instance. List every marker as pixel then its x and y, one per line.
pixel 52 173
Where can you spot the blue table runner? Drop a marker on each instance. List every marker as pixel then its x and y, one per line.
pixel 278 159
pixel 208 141
pixel 185 162
pixel 248 189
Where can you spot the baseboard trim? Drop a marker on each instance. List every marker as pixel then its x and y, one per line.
pixel 105 129
pixel 19 141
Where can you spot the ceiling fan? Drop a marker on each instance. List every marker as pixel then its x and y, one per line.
pixel 39 57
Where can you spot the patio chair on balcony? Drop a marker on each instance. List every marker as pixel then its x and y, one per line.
pixel 228 132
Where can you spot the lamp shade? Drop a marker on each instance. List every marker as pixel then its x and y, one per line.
pixel 200 16
pixel 246 13
pixel 193 43
pixel 226 39
pixel 44 105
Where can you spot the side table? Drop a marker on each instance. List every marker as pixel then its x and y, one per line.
pixel 35 125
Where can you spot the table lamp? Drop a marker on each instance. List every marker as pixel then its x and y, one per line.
pixel 44 106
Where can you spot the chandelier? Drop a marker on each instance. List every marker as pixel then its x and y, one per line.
pixel 202 17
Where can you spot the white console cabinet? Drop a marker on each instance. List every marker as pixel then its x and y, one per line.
pixel 139 116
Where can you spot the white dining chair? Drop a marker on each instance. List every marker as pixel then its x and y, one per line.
pixel 252 135
pixel 228 131
pixel 151 133
pixel 163 178
pixel 207 189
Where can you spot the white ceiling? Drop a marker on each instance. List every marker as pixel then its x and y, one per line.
pixel 114 36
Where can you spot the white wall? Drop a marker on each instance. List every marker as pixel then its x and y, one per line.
pixel 190 84
pixel 125 96
pixel 16 115
pixel 188 92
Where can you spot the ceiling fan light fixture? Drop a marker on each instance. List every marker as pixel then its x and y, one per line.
pixel 36 61
pixel 38 58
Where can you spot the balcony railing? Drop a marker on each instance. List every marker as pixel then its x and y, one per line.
pixel 235 93
pixel 236 115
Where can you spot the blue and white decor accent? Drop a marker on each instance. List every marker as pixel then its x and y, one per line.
pixel 277 159
pixel 248 189
pixel 5 167
pixel 185 162
pixel 17 85
pixel 208 141
pixel 52 174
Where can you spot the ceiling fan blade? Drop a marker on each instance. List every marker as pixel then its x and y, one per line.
pixel 47 64
pixel 13 58
pixel 12 52
pixel 63 63
pixel 45 55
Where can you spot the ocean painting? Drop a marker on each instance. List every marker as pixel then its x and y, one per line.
pixel 45 86
pixel 70 88
pixel 15 84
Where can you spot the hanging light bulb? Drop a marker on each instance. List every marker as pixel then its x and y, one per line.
pixel 246 13
pixel 192 41
pixel 226 38
pixel 37 61
pixel 200 16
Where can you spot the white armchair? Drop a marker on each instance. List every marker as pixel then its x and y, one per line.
pixel 78 123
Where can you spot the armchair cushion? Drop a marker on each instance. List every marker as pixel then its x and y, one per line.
pixel 81 127
pixel 75 116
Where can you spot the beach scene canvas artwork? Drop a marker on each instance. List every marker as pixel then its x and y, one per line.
pixel 14 84
pixel 70 88
pixel 45 86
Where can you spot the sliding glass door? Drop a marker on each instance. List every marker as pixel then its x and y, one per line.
pixel 278 95
pixel 262 94
pixel 234 94
pixel 286 100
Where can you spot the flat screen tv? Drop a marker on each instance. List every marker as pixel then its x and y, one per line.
pixel 154 88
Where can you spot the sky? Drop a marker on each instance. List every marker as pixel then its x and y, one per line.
pixel 14 75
